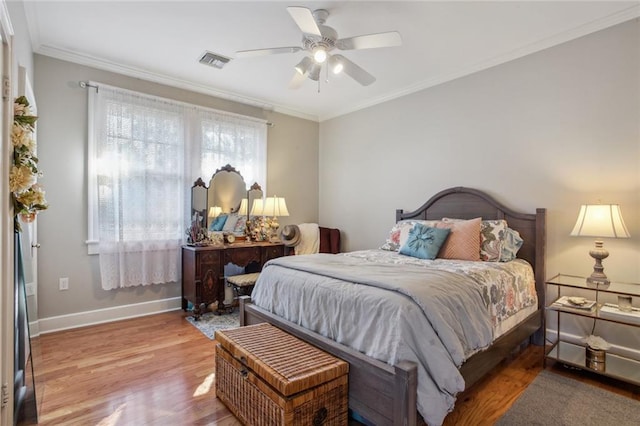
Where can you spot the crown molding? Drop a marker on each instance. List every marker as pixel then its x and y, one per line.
pixel 135 72
pixel 632 12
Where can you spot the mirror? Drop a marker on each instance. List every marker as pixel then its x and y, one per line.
pixel 199 203
pixel 226 191
pixel 254 193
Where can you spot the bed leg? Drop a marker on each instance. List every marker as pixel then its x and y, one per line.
pixel 244 301
pixel 406 384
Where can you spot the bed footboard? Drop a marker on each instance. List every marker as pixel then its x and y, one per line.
pixel 381 393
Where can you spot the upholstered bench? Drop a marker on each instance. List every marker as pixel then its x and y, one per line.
pixel 242 284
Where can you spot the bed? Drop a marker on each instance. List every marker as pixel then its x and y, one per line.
pixel 384 393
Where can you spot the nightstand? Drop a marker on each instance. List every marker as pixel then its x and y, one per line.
pixel 559 347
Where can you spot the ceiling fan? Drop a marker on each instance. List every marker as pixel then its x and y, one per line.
pixel 320 40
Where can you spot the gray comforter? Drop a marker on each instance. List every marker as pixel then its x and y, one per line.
pixel 432 317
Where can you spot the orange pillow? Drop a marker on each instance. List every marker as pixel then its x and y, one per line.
pixel 463 242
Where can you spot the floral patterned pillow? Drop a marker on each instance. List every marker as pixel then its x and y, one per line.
pixel 492 234
pixel 400 232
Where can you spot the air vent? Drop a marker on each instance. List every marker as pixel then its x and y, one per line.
pixel 214 60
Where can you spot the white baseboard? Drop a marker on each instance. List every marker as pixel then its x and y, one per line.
pixel 100 316
pixel 34 328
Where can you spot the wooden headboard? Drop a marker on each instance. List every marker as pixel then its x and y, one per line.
pixel 467 203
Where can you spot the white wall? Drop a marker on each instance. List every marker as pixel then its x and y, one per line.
pixel 555 129
pixel 62 140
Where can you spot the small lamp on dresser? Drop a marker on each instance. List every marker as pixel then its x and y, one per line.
pixel 214 212
pixel 600 221
pixel 274 207
pixel 243 210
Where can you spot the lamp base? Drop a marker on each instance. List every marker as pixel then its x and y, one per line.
pixel 598 281
pixel 598 277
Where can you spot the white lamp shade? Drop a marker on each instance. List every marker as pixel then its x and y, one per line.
pixel 600 220
pixel 275 206
pixel 258 207
pixel 215 211
pixel 243 207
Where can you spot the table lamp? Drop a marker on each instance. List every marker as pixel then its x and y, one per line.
pixel 215 211
pixel 273 208
pixel 243 210
pixel 600 221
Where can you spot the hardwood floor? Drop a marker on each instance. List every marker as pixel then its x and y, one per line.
pixel 154 370
pixel 158 370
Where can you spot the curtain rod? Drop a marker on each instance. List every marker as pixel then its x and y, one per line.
pixel 85 84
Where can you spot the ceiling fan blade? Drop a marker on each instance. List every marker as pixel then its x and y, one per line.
pixel 370 41
pixel 268 51
pixel 304 19
pixel 354 71
pixel 297 80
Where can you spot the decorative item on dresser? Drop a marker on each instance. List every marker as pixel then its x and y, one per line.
pixel 272 208
pixel 388 392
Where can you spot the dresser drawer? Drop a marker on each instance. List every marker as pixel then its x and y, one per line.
pixel 242 256
pixel 272 252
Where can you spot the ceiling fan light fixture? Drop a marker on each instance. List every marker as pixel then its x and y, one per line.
pixel 304 65
pixel 314 72
pixel 335 64
pixel 319 54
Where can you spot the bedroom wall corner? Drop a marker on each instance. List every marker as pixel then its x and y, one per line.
pixel 554 129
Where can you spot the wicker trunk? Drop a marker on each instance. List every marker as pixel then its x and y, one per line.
pixel 268 377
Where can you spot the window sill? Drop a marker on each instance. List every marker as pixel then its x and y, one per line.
pixel 93 247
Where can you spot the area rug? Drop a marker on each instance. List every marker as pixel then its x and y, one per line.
pixel 552 399
pixel 210 322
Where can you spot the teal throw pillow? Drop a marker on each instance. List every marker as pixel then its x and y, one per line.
pixel 424 242
pixel 218 223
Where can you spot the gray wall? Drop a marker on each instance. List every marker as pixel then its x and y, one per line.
pixel 555 129
pixel 62 138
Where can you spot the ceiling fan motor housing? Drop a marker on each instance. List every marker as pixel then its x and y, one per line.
pixel 327 41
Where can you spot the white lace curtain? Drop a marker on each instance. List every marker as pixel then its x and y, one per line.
pixel 146 151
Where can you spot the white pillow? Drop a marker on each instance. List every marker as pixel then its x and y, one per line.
pixel 230 224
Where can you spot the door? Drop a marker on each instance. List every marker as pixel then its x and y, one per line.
pixel 6 226
pixel 29 234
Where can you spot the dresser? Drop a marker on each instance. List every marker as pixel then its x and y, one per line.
pixel 203 270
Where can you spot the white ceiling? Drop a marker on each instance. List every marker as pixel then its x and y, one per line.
pixel 162 41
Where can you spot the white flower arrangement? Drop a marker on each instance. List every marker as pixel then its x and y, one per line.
pixel 27 195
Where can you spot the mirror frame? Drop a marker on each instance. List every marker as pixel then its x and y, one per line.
pixel 238 193
pixel 198 187
pixel 252 193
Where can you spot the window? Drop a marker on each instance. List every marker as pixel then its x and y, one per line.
pixel 144 154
